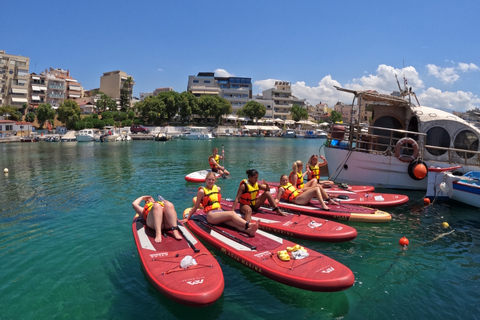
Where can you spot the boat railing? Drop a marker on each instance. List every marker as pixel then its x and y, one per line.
pixel 380 140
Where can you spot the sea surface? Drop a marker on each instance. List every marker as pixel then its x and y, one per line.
pixel 67 250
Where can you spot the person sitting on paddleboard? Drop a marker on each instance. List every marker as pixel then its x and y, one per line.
pixel 290 193
pixel 214 162
pixel 209 196
pixel 313 170
pixel 296 177
pixel 247 195
pixel 158 215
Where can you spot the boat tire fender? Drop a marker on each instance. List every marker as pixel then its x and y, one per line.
pixel 405 157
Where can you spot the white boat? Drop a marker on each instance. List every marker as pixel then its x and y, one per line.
pixel 446 183
pixel 196 133
pixel 289 134
pixel 86 135
pixel 311 134
pixel 321 134
pixel 402 136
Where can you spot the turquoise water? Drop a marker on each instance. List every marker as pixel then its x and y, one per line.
pixel 67 250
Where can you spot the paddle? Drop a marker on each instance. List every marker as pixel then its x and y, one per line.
pixel 224 176
pixel 188 241
pixel 231 236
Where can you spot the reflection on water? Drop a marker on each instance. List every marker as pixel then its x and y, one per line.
pixel 67 247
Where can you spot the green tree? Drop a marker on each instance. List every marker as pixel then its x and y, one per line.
pixel 125 94
pixel 30 117
pixel 252 109
pixel 69 113
pixel 212 106
pixel 171 100
pixel 10 112
pixel 152 110
pixel 106 103
pixel 336 116
pixel 298 113
pixel 44 113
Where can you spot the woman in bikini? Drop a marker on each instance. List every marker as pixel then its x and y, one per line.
pixel 209 196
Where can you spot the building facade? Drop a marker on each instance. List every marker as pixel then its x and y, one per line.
pixel 37 94
pixel 112 83
pixel 237 90
pixel 279 100
pixel 14 79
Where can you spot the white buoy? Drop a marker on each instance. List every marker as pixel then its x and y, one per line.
pixel 5 170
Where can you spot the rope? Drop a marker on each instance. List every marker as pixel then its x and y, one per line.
pixel 340 166
pixel 178 265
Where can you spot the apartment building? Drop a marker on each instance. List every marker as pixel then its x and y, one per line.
pixel 112 83
pixel 14 79
pixel 37 93
pixel 279 100
pixel 237 90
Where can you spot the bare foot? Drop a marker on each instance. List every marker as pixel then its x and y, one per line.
pixel 176 234
pixel 158 238
pixel 324 207
pixel 253 227
pixel 331 201
pixel 280 212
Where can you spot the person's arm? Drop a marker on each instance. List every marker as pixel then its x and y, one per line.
pixel 263 185
pixel 200 195
pixel 280 192
pixel 293 178
pixel 240 190
pixel 324 163
pixel 136 205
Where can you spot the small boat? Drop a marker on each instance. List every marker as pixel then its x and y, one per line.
pixel 297 225
pixel 311 134
pixel 199 176
pixel 267 254
pixel 321 134
pixel 87 135
pixel 30 138
pixel 447 183
pixel 199 284
pixel 196 133
pixel 289 134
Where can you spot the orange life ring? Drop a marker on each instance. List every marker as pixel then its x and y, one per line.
pixel 405 157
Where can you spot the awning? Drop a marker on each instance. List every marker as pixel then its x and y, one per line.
pixel 19 100
pixel 263 128
pixel 16 90
pixel 74 88
pixel 36 98
pixel 37 88
pixel 35 78
pixel 74 95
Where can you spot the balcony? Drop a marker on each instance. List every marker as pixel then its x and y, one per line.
pixel 56 96
pixel 55 86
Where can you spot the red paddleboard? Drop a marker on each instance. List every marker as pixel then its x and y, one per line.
pixel 198 285
pixel 316 272
pixel 344 212
pixel 368 199
pixel 338 187
pixel 198 176
pixel 298 225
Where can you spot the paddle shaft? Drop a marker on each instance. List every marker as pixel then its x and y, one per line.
pixel 231 236
pixel 188 241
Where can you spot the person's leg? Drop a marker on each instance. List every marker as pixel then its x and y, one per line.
pixel 232 219
pixel 267 196
pixel 171 219
pixel 247 211
pixel 325 196
pixel 155 219
pixel 307 195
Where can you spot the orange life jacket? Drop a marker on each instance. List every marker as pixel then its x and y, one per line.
pixel 211 200
pixel 148 206
pixel 290 192
pixel 212 165
pixel 249 196
pixel 300 184
pixel 315 172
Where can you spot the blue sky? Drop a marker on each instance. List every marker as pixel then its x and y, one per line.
pixel 312 44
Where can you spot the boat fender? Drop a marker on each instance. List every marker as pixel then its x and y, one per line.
pixel 417 170
pixel 406 157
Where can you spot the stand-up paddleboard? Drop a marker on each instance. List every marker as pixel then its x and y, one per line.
pixel 367 199
pixel 338 187
pixel 298 225
pixel 344 212
pixel 198 176
pixel 198 285
pixel 316 272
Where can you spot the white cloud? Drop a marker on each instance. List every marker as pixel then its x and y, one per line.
pixel 449 101
pixel 223 73
pixel 265 84
pixel 465 67
pixel 446 75
pixel 160 69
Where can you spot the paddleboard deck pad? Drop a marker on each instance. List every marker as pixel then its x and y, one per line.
pixel 338 187
pixel 316 272
pixel 297 225
pixel 199 176
pixel 198 285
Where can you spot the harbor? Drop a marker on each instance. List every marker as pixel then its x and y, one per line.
pixel 67 239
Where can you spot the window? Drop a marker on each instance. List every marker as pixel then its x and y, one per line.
pixel 195 81
pixel 438 137
pixel 206 81
pixel 466 140
pixel 8 127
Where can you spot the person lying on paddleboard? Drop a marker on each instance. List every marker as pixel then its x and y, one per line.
pixel 247 195
pixel 313 170
pixel 209 196
pixel 288 192
pixel 158 215
pixel 214 162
